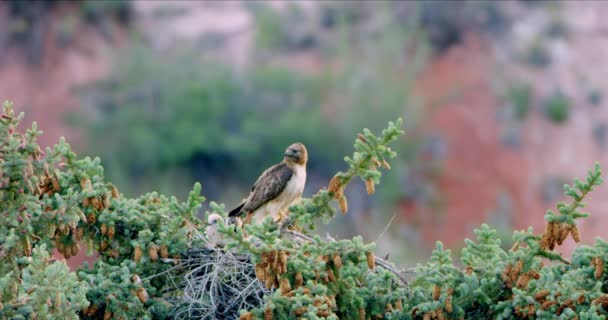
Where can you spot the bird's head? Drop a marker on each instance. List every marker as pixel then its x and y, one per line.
pixel 213 219
pixel 296 154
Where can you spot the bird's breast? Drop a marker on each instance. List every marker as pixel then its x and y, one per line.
pixel 291 193
pixel 295 186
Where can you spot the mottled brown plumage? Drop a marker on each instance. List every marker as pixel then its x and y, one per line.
pixel 278 187
pixel 269 185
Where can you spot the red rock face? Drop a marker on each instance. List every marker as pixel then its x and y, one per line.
pixel 477 167
pixel 479 172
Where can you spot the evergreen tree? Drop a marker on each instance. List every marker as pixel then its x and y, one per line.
pixel 155 257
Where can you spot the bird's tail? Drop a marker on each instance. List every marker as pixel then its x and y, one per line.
pixel 236 211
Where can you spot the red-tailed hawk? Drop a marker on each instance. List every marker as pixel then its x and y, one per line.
pixel 216 239
pixel 277 188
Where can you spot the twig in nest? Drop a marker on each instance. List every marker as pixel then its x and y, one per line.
pixel 217 284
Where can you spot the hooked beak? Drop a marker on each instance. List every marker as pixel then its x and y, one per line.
pixel 289 153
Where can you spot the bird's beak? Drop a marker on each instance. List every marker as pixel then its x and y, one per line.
pixel 289 153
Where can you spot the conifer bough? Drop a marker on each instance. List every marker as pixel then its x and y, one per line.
pixel 153 248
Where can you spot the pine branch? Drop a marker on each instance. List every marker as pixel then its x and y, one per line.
pixel 371 153
pixel 379 261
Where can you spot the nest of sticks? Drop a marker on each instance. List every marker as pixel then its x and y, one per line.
pixel 217 284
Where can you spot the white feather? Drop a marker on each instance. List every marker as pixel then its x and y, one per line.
pixel 215 238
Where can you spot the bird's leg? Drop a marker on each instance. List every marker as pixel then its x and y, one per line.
pixel 282 216
pixel 277 218
pixel 289 224
pixel 248 218
pixel 295 227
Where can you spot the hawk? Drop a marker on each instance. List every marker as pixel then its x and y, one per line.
pixel 277 188
pixel 216 239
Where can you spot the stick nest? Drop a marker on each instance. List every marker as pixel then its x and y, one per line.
pixel 217 284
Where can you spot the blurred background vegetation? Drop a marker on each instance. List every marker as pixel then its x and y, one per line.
pixel 167 93
pixel 184 115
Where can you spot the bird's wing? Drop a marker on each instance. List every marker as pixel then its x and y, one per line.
pixel 237 211
pixel 268 186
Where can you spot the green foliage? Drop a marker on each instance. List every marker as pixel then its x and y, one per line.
pixel 229 121
pixel 568 213
pixel 47 289
pixel 97 11
pixel 501 284
pixel 277 31
pixel 221 118
pixel 58 201
pixel 371 152
pixel 495 283
pixel 32 284
pixel 330 280
pixel 372 53
pixel 557 108
pixel 53 199
pixel 520 96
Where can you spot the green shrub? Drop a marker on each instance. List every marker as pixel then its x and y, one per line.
pixel 53 199
pixel 229 121
pixel 557 108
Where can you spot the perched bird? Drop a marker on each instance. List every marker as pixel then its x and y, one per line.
pixel 277 188
pixel 216 239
